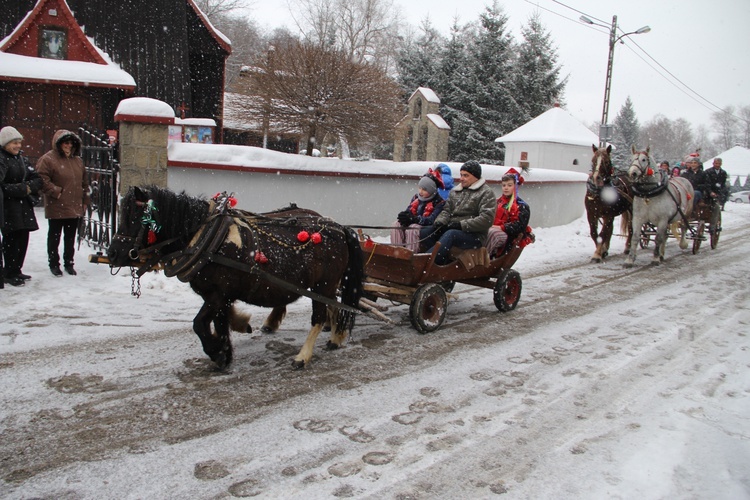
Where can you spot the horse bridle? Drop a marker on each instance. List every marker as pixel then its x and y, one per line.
pixel 139 251
pixel 636 163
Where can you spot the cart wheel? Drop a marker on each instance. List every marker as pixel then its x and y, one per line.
pixel 715 230
pixel 428 308
pixel 698 237
pixel 507 292
pixel 643 242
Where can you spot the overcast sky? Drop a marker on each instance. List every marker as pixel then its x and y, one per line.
pixel 703 44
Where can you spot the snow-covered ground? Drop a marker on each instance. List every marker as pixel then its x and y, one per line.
pixel 603 383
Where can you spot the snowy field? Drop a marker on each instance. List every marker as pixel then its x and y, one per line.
pixel 603 383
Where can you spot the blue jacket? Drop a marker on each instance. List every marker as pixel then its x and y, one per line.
pixel 447 176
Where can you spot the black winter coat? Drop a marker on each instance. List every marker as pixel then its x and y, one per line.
pixel 18 209
pixel 716 180
pixel 697 179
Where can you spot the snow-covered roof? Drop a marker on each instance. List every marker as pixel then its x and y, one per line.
pixel 235 113
pixel 438 121
pixel 237 117
pixel 220 37
pixel 25 68
pixel 554 125
pixel 196 122
pixel 91 66
pixel 736 161
pixel 428 94
pixel 144 106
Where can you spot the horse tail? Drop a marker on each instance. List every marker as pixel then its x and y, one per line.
pixel 351 282
pixel 626 221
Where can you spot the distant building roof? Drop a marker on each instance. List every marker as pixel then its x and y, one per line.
pixel 428 94
pixel 554 125
pixel 438 121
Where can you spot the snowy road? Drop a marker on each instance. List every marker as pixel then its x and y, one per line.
pixel 603 383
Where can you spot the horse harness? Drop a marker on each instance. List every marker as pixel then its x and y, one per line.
pixel 186 263
pixel 647 190
pixel 614 182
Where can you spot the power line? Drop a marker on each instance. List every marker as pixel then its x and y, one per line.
pixel 676 78
pixel 696 96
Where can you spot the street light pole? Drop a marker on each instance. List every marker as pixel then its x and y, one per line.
pixel 605 130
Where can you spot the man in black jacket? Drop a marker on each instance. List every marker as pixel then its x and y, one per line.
pixel 716 183
pixel 694 173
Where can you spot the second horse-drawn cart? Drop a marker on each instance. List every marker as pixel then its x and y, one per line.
pixel 705 219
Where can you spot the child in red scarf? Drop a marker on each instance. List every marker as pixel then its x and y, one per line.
pixel 422 210
pixel 511 218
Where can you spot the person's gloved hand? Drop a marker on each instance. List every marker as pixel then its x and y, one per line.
pixel 454 225
pixel 406 218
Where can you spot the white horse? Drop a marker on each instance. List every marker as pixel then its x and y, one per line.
pixel 660 201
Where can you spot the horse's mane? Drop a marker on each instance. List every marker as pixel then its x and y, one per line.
pixel 178 214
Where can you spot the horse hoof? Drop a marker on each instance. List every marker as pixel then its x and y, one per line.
pixel 265 329
pixel 655 262
pixel 298 365
pixel 249 329
pixel 627 265
pixel 330 346
pixel 596 260
pixel 221 361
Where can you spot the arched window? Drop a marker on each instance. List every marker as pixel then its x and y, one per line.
pixel 417 109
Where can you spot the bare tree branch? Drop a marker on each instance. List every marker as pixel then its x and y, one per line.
pixel 321 91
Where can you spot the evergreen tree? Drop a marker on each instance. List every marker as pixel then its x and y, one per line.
pixel 490 83
pixel 537 84
pixel 626 134
pixel 452 88
pixel 418 61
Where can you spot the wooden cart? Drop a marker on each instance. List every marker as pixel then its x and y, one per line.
pixel 397 274
pixel 706 218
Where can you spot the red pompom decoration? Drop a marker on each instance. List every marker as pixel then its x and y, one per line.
pixel 650 171
pixel 369 243
pixel 303 236
pixel 232 201
pixel 260 258
pixel 316 238
pixel 151 237
pixel 216 196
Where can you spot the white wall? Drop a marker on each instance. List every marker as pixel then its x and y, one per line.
pixel 550 155
pixel 352 193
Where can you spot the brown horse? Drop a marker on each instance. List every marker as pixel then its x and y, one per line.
pixel 228 255
pixel 607 196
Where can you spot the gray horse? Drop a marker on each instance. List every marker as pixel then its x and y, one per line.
pixel 658 200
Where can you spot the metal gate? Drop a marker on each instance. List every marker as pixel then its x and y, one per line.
pixel 99 223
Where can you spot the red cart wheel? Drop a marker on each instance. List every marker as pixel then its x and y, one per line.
pixel 507 291
pixel 698 237
pixel 428 307
pixel 716 230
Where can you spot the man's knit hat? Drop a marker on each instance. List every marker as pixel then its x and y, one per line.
pixel 8 134
pixel 473 167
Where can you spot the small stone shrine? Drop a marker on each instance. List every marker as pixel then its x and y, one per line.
pixel 422 135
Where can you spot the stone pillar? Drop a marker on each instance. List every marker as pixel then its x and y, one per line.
pixel 144 131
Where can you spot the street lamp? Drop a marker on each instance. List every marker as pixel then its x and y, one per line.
pixel 605 130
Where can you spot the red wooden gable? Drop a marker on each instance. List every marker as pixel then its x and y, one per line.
pixel 39 29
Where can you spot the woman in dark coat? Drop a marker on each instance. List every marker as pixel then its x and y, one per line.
pixel 65 188
pixel 20 185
